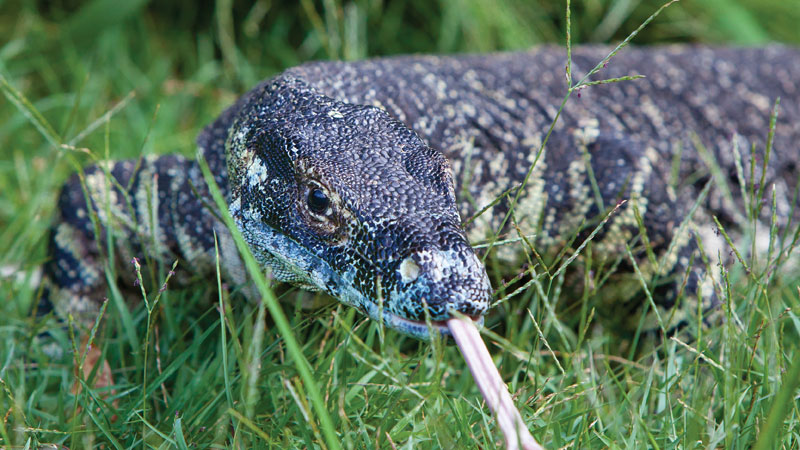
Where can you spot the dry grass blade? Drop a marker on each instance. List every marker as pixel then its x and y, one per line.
pixel 492 387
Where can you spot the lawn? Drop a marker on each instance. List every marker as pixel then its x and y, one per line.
pixel 203 368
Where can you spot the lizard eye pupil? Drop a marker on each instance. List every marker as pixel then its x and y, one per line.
pixel 318 201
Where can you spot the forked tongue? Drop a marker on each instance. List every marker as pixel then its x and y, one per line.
pixel 494 391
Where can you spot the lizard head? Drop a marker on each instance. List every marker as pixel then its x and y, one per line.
pixel 345 199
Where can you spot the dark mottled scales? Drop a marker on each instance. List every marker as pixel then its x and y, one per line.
pixel 374 139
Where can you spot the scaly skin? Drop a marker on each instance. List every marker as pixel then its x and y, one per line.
pixel 370 142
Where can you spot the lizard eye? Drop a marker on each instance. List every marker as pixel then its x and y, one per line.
pixel 317 201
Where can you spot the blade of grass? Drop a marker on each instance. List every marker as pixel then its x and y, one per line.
pixel 267 296
pixel 30 112
pixel 781 406
pixel 222 327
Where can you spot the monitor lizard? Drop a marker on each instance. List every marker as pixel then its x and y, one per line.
pixel 356 178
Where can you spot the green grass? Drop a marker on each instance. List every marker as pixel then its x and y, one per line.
pixel 202 368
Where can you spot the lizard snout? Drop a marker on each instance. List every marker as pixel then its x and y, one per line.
pixel 443 281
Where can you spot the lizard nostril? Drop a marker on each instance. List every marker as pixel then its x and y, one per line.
pixel 409 270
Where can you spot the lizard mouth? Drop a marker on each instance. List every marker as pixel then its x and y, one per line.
pixel 421 329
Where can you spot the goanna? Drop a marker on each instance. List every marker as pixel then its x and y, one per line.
pixel 355 178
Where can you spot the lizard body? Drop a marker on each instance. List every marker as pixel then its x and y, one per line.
pixel 338 176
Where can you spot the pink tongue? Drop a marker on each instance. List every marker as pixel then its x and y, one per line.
pixel 491 385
